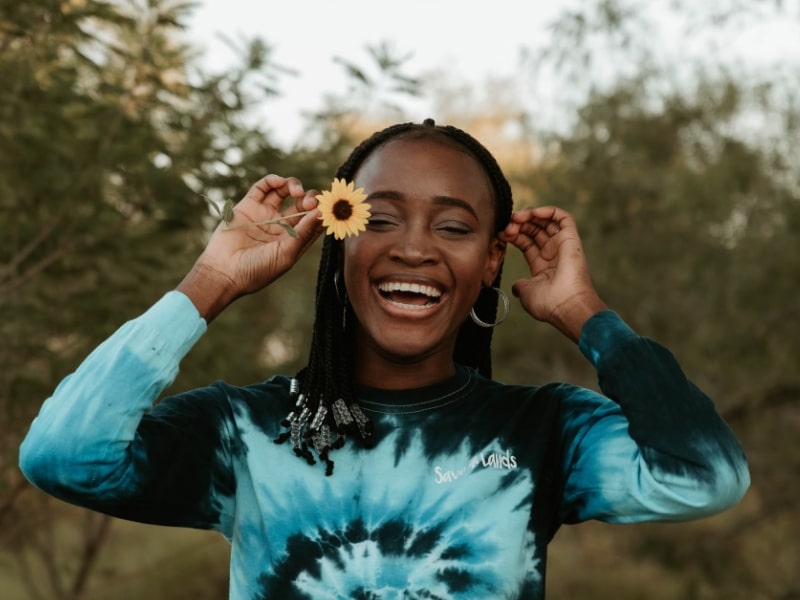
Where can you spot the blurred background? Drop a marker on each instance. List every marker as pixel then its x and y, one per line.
pixel 671 130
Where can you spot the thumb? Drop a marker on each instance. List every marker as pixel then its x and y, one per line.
pixel 529 294
pixel 515 288
pixel 519 287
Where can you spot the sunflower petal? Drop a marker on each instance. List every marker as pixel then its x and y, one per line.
pixel 358 216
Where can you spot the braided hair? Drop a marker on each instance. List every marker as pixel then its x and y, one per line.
pixel 326 409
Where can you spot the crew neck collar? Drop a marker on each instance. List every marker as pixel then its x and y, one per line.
pixel 421 399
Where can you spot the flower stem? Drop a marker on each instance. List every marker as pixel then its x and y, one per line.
pixel 269 222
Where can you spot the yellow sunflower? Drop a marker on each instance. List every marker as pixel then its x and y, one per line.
pixel 343 210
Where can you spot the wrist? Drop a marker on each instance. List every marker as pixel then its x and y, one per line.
pixel 209 290
pixel 570 317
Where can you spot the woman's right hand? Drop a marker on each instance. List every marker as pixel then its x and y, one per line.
pixel 243 257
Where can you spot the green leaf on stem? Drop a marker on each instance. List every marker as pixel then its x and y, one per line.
pixel 289 229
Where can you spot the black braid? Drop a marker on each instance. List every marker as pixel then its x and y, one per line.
pixel 324 388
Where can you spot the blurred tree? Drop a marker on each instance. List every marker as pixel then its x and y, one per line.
pixel 370 97
pixel 683 178
pixel 110 138
pixel 692 235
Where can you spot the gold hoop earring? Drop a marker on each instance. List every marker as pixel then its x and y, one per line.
pixel 506 309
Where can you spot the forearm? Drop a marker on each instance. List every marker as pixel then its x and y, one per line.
pixel 644 378
pixel 81 436
pixel 682 460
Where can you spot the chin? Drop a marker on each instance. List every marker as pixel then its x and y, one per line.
pixel 413 350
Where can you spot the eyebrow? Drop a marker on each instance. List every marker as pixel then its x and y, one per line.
pixel 439 200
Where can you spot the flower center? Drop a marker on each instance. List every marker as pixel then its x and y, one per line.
pixel 342 210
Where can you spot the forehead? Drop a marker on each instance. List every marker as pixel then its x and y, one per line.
pixel 426 167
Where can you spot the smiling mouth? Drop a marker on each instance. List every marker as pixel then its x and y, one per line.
pixel 412 296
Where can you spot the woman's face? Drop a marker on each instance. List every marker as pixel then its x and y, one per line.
pixel 414 274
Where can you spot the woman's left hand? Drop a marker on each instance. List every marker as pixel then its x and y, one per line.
pixel 559 290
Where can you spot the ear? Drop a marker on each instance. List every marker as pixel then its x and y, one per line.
pixel 497 252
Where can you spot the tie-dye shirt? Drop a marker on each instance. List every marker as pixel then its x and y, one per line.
pixel 468 482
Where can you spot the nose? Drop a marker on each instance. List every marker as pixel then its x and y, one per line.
pixel 414 246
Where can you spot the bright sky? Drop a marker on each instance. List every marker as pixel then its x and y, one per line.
pixel 472 39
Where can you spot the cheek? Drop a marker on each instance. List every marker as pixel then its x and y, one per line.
pixel 477 270
pixel 355 260
pixel 469 269
pixel 474 258
pixel 350 253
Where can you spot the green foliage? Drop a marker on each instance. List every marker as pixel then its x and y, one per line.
pixel 692 236
pixel 684 185
pixel 110 137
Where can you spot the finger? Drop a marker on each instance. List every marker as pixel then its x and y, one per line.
pixel 262 190
pixel 273 189
pixel 539 232
pixel 264 186
pixel 519 219
pixel 302 206
pixel 542 215
pixel 308 201
pixel 515 225
pixel 294 187
pixel 552 218
pixel 532 235
pixel 309 228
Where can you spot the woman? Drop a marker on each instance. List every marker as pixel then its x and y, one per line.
pixel 438 482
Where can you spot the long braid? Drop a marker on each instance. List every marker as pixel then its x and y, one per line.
pixel 326 409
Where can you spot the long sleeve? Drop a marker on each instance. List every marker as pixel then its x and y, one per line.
pixel 659 451
pixel 86 445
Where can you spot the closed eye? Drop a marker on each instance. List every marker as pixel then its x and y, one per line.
pixel 455 229
pixel 380 222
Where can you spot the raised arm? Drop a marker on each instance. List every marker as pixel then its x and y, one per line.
pixel 95 442
pixel 243 257
pixel 659 450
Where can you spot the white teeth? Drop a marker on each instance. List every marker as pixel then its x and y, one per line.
pixel 414 288
pixel 411 306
